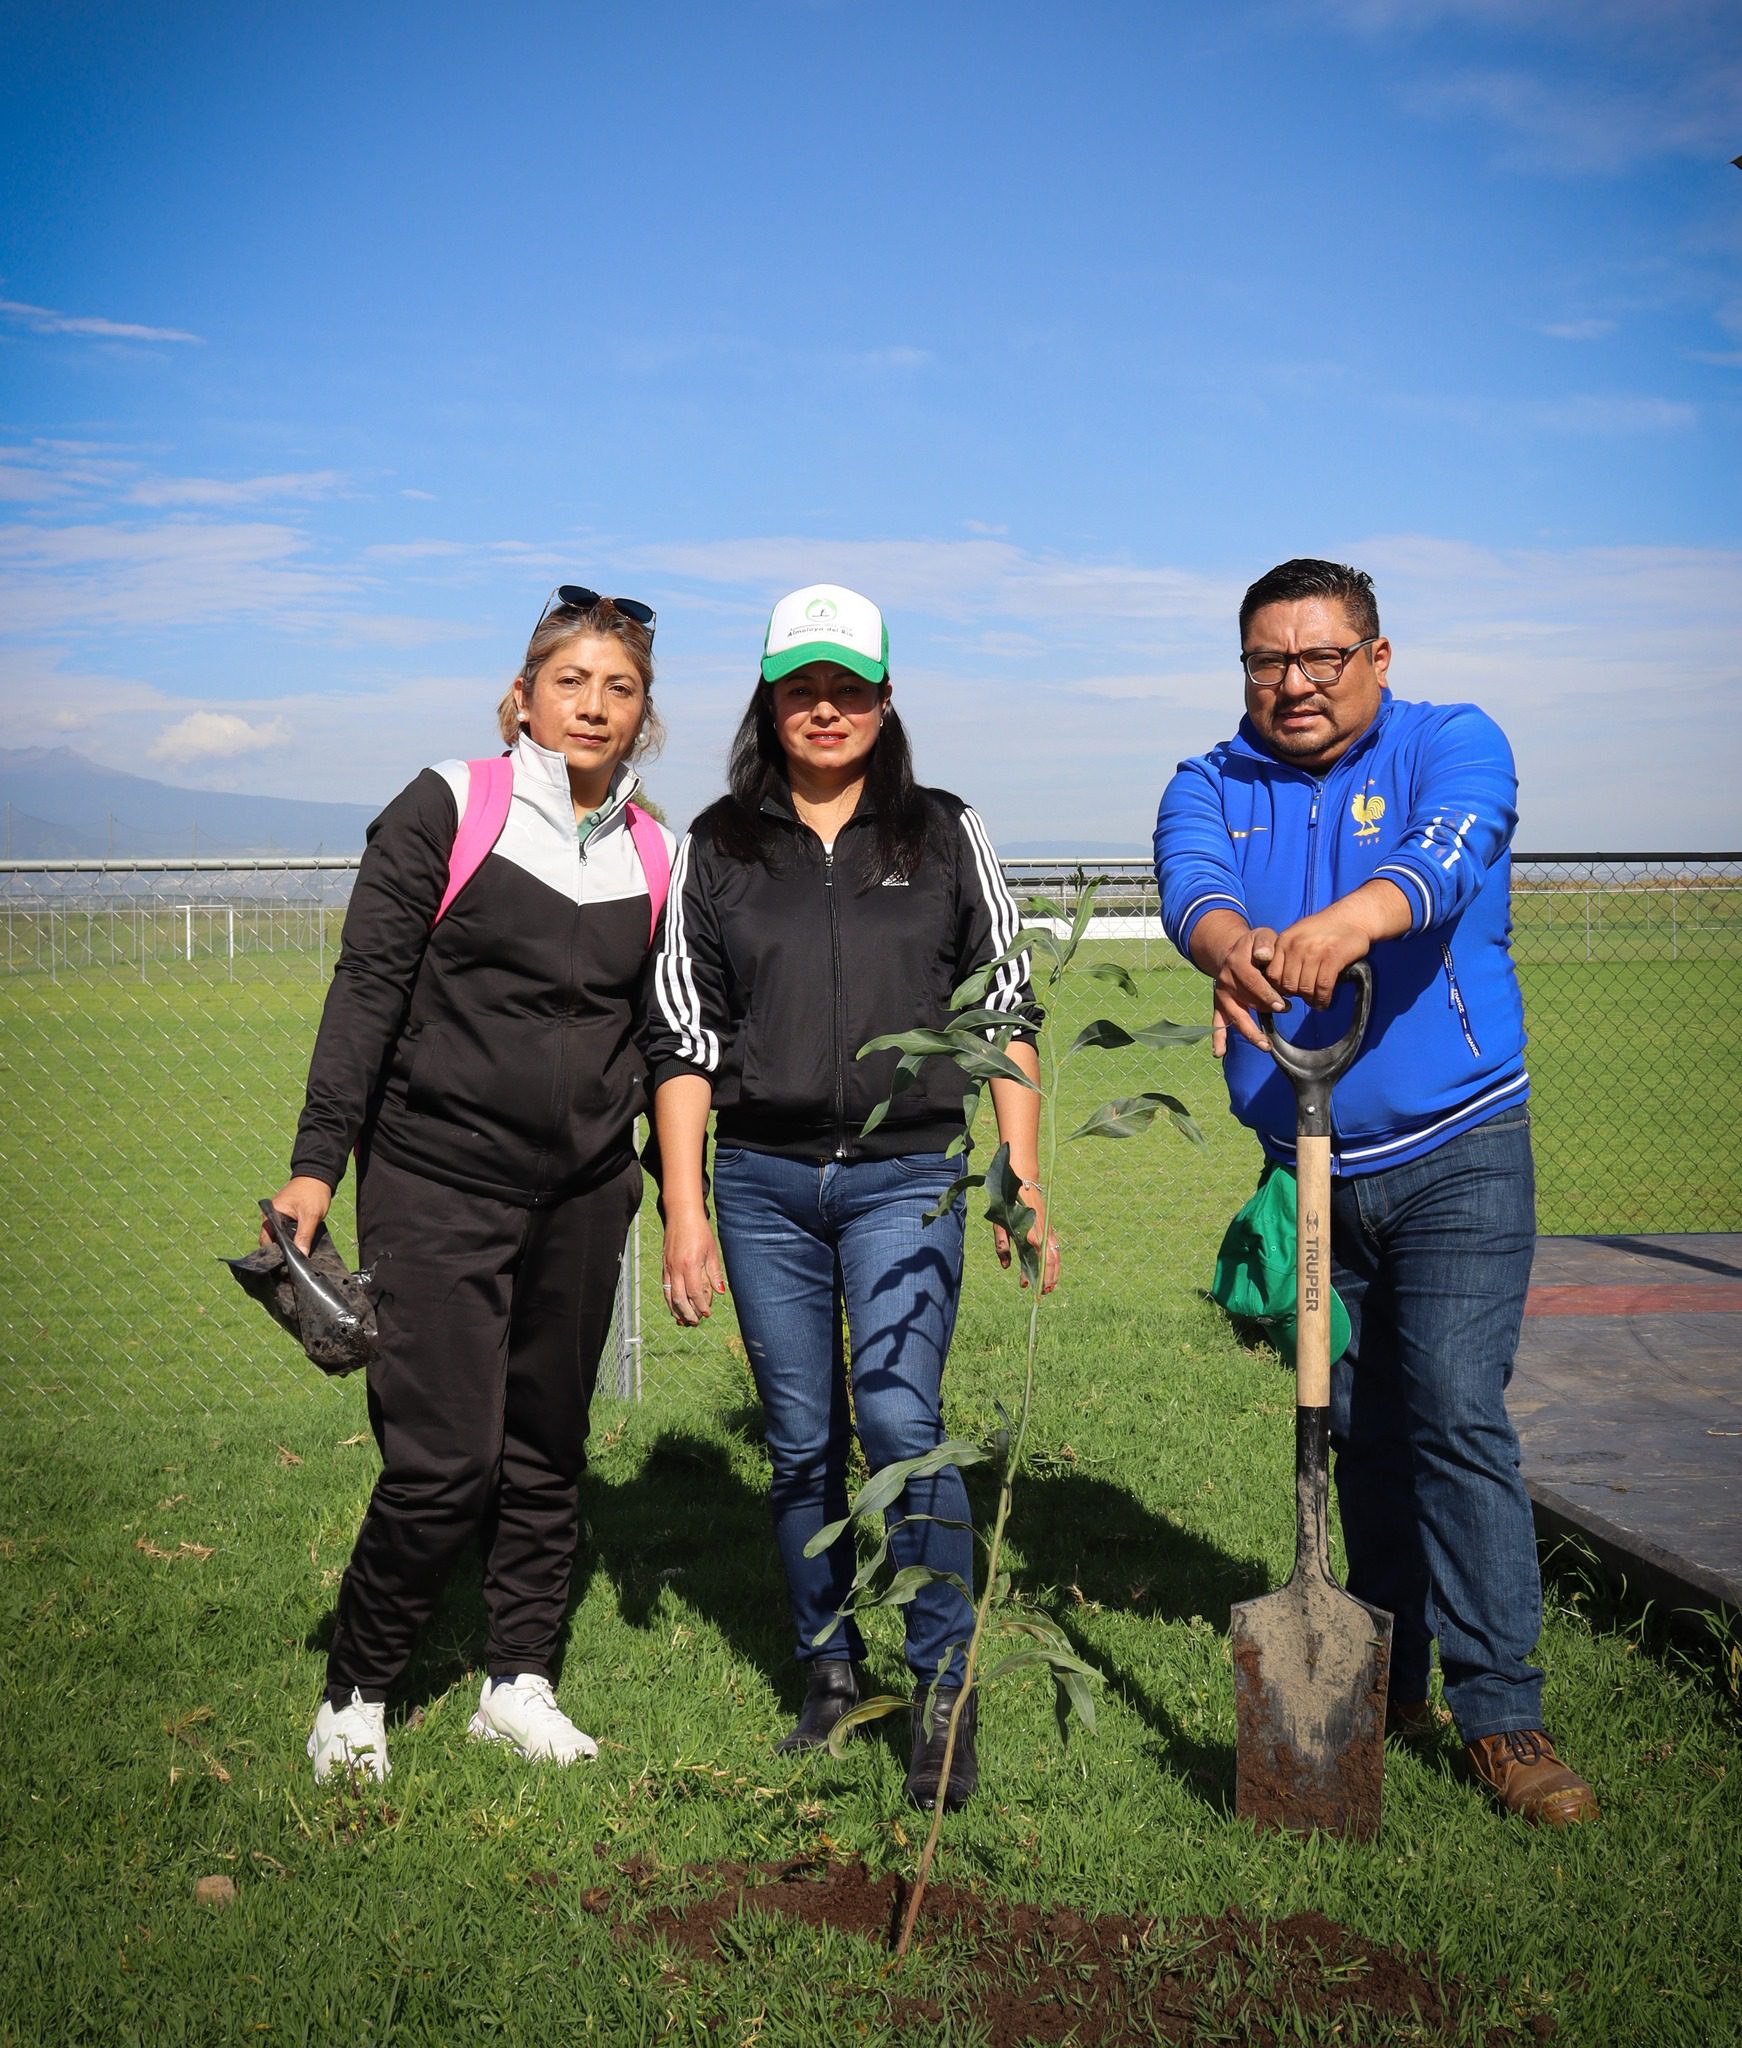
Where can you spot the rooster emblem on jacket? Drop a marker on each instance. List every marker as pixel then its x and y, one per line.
pixel 1367 811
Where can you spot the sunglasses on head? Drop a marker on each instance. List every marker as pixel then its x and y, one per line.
pixel 577 597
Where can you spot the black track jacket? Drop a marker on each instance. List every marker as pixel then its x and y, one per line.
pixel 497 1053
pixel 768 979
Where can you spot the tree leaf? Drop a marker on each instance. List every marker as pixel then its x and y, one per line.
pixel 986 1063
pixel 921 1044
pixel 1001 1440
pixel 1040 940
pixel 984 1020
pixel 885 1486
pixel 1087 891
pixel 1183 1121
pixel 1077 1691
pixel 1063 1664
pixel 856 1717
pixel 829 1533
pixel 1104 1034
pixel 1126 1115
pixel 906 1073
pixel 1017 1660
pixel 973 990
pixel 913 1579
pixel 1164 1032
pixel 1110 970
pixel 1004 1204
pixel 946 1201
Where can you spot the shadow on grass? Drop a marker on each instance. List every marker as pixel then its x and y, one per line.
pixel 1098 1546
pixel 686 1521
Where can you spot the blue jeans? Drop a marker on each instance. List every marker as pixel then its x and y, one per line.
pixel 1433 1260
pixel 792 1233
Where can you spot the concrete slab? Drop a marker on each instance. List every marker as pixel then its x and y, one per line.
pixel 1627 1397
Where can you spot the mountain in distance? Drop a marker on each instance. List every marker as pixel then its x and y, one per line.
pixel 57 805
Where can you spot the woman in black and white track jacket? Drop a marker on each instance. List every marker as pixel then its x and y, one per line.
pixel 824 901
pixel 482 1061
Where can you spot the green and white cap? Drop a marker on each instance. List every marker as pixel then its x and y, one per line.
pixel 824 622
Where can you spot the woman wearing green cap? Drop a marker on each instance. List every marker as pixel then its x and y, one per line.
pixel 825 900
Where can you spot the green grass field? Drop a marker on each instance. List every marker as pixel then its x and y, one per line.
pixel 145 1115
pixel 168 1596
pixel 169 1564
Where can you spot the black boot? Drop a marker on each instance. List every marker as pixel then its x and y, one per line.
pixel 927 1765
pixel 831 1688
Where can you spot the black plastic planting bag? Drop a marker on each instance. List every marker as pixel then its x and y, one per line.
pixel 323 1305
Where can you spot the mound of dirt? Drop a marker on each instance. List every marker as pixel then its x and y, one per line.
pixel 1046 1974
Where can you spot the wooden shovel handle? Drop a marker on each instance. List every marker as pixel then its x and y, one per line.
pixel 1312 1273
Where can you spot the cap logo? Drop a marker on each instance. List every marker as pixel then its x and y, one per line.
pixel 820 608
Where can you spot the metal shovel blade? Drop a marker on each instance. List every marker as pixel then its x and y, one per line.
pixel 1311 1665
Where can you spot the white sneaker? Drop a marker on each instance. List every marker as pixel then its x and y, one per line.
pixel 350 1738
pixel 524 1711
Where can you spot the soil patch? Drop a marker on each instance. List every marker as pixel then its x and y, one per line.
pixel 1046 1974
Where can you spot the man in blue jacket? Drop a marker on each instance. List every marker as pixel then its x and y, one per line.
pixel 1341 822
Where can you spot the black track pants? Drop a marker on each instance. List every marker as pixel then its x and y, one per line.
pixel 492 1318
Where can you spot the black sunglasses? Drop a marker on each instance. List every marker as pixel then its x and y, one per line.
pixel 578 597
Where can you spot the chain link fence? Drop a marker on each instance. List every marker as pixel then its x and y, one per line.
pixel 156 1021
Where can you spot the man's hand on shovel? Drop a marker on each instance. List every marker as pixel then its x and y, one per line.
pixel 1306 957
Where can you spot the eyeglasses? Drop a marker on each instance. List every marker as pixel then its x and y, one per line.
pixel 1316 664
pixel 577 597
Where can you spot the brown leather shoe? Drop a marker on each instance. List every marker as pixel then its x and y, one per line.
pixel 1522 1771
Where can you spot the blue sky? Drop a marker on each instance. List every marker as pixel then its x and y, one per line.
pixel 331 338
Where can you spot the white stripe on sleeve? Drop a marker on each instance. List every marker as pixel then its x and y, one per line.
pixel 1005 991
pixel 674 981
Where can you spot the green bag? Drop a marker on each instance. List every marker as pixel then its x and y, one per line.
pixel 1255 1266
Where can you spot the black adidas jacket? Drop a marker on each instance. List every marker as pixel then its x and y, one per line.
pixel 497 1053
pixel 768 978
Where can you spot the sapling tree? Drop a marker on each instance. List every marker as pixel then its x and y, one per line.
pixel 1009 1633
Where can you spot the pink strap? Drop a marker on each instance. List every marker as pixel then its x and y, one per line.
pixel 489 792
pixel 655 862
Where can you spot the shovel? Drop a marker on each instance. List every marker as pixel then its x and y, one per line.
pixel 1311 1662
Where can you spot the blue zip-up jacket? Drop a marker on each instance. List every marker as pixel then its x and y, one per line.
pixel 1426 798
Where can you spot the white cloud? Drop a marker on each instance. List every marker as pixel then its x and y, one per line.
pixel 416 550
pixel 1586 413
pixel 949 579
pixel 216 736
pixel 1577 330
pixel 340 744
pixel 899 357
pixel 24 483
pixel 43 472
pixel 178 573
pixel 1055 692
pixel 214 493
pixel 45 320
pixel 1582 86
pixel 1599 412
pixel 1573 126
